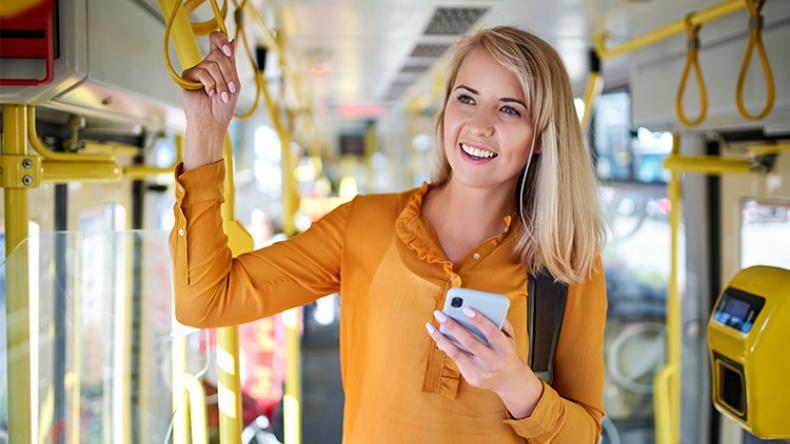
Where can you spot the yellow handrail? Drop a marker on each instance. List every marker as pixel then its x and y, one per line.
pixel 48 154
pixel 61 172
pixel 16 289
pixel 63 167
pixel 755 40
pixel 761 150
pixel 662 405
pixel 713 165
pixel 591 92
pixel 666 385
pixel 665 32
pixel 692 60
pixel 197 408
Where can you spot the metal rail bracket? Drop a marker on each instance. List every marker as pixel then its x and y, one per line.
pixel 20 171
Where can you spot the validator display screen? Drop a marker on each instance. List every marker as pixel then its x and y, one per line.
pixel 738 309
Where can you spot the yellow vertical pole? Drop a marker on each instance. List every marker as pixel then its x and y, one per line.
pixel 179 359
pixel 16 271
pixel 666 396
pixel 292 400
pixel 371 146
pixel 180 404
pixel 239 241
pixel 591 93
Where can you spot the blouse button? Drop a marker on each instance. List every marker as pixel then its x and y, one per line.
pixel 476 256
pixel 180 231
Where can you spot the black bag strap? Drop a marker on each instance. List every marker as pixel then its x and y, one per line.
pixel 546 298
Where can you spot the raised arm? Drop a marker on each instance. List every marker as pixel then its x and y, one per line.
pixel 213 289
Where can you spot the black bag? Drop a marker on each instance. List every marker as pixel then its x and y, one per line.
pixel 546 300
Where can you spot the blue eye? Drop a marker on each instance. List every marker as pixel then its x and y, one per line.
pixel 510 110
pixel 466 99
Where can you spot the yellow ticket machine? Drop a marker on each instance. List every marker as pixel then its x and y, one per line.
pixel 749 341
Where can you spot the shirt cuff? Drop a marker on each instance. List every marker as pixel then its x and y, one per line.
pixel 543 418
pixel 200 184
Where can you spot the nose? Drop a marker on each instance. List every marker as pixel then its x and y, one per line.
pixel 481 124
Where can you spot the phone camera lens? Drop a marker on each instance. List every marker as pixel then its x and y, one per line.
pixel 457 302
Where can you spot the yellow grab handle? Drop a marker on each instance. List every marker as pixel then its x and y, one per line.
pixel 250 57
pixel 692 60
pixel 755 40
pixel 218 18
pixel 206 27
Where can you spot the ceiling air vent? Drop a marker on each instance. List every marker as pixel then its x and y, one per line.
pixel 414 69
pixel 430 50
pixel 453 21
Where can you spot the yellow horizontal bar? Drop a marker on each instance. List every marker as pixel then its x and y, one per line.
pixel 677 27
pixel 707 165
pixel 137 172
pixel 760 150
pixel 60 172
pixel 110 148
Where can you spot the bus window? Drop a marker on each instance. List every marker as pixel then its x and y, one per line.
pixel 765 233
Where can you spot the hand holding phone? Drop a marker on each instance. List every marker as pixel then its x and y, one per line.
pixel 491 305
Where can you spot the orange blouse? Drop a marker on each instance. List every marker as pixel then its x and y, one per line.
pixel 384 259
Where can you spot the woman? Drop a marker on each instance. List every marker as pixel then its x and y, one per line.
pixel 508 128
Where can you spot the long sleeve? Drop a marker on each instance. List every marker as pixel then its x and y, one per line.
pixel 213 289
pixel 571 409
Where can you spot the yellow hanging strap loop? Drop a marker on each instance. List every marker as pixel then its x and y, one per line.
pixel 183 83
pixel 239 17
pixel 755 40
pixel 692 60
pixel 207 27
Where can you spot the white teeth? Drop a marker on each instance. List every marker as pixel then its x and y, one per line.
pixel 477 152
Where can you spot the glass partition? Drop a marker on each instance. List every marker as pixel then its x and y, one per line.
pixel 101 336
pixel 637 264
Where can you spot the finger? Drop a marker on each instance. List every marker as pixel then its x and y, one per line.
pixel 219 80
pixel 508 329
pixel 444 343
pixel 219 42
pixel 226 68
pixel 465 337
pixel 198 74
pixel 490 330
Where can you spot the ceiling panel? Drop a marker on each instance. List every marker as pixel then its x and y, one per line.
pixel 360 51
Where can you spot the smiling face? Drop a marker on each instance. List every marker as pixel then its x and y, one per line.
pixel 487 128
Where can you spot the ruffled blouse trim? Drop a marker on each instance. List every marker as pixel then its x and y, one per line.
pixel 411 229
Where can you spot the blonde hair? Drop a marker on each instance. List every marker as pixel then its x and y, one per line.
pixel 563 226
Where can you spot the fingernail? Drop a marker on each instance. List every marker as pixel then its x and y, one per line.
pixel 211 93
pixel 439 316
pixel 469 313
pixel 430 328
pixel 226 50
pixel 224 97
pixel 232 87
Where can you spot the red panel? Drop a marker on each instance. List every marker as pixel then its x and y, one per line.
pixel 29 35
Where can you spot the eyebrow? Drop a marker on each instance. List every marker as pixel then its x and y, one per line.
pixel 503 99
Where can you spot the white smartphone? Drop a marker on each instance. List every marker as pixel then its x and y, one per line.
pixel 491 305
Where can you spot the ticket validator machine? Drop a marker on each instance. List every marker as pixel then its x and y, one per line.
pixel 749 341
